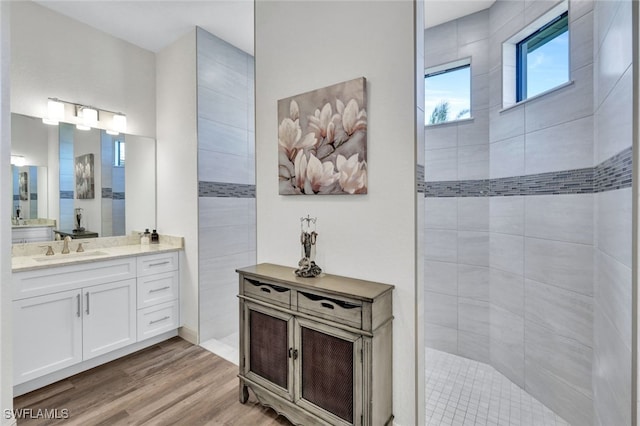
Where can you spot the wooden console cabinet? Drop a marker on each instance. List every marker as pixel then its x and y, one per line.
pixel 317 350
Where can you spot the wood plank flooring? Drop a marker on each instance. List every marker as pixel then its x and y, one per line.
pixel 171 383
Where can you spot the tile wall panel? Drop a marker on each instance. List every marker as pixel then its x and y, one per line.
pixel 226 174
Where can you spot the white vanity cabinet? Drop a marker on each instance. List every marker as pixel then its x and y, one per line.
pixel 31 234
pixel 158 290
pixel 47 334
pixel 79 315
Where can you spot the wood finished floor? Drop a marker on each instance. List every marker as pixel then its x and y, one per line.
pixel 171 383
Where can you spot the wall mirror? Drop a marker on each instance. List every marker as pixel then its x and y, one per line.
pixel 111 178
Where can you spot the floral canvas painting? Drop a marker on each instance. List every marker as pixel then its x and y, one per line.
pixel 85 177
pixel 322 141
pixel 23 185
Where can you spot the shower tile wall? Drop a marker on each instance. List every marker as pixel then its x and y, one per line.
pixel 226 164
pixel 457 228
pixel 510 279
pixel 612 291
pixel 67 177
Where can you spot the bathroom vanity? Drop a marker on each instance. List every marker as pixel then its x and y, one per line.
pixel 74 311
pixel 317 350
pixel 31 230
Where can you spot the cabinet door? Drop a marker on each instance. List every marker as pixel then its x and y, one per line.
pixel 328 372
pixel 47 334
pixel 109 317
pixel 268 349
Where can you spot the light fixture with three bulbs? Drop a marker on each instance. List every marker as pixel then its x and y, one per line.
pixel 87 116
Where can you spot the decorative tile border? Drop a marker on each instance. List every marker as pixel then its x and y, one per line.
pixel 420 184
pixel 613 173
pixel 109 194
pixel 66 195
pixel 226 190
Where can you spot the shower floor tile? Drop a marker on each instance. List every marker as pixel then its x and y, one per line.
pixel 462 392
pixel 226 347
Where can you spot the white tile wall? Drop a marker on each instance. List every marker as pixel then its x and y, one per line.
pixel 560 217
pixel 558 263
pixel 566 146
pixel 227 226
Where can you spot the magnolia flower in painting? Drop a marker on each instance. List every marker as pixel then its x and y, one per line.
pixel 352 174
pixel 313 175
pixel 323 123
pixel 294 110
pixel 290 137
pixel 353 118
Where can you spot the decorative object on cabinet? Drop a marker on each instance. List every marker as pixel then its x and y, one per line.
pixel 307 267
pixel 317 351
pixel 322 141
pixel 79 222
pixel 85 177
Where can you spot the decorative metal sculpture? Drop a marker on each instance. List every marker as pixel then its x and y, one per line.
pixel 308 236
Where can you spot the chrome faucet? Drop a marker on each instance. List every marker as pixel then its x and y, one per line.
pixel 65 248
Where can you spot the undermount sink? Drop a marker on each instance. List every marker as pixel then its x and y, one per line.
pixel 73 255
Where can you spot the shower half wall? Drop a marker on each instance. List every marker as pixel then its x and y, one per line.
pixel 526 211
pixel 226 181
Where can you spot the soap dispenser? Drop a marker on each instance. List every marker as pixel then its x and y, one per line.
pixel 146 237
pixel 155 238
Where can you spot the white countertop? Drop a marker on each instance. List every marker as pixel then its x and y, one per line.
pixel 41 261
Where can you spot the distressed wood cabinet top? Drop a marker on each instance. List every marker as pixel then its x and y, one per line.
pixel 327 283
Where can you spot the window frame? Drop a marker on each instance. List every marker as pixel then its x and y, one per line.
pixel 444 69
pixel 522 51
pixel 119 153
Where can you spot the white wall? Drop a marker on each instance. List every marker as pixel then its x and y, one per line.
pixel 140 191
pixel 6 348
pixel 29 139
pixel 371 236
pixel 177 154
pixel 55 56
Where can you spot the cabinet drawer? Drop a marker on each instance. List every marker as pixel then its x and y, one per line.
pixel 157 319
pixel 346 312
pixel 156 263
pixel 268 292
pixel 157 288
pixel 61 278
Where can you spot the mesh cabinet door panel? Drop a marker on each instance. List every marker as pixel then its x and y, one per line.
pixel 327 372
pixel 268 356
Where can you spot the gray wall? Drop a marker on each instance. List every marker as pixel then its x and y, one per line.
pixel 612 259
pixel 522 266
pixel 226 164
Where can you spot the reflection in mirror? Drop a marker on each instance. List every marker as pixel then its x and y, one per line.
pixel 114 199
pixel 29 192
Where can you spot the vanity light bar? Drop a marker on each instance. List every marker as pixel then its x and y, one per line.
pixel 88 116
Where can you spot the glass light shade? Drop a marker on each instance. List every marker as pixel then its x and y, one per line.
pixel 89 117
pixel 119 123
pixel 18 160
pixel 55 110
